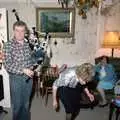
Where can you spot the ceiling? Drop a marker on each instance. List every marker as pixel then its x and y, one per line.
pixel 24 1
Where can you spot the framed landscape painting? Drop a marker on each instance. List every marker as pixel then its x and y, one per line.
pixel 56 21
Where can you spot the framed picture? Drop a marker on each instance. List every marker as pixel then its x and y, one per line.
pixel 56 21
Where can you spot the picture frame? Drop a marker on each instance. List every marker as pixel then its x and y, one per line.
pixel 58 22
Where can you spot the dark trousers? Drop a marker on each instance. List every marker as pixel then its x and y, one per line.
pixel 20 95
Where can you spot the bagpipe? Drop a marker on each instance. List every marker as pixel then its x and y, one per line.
pixel 41 49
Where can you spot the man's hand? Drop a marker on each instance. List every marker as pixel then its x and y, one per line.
pixel 28 72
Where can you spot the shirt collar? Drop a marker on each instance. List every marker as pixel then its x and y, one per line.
pixel 17 43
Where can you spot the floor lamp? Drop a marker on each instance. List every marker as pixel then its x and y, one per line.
pixel 111 40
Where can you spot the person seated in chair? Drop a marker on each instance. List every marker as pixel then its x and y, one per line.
pixel 107 78
pixel 70 85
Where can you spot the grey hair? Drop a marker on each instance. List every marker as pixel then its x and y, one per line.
pixel 85 70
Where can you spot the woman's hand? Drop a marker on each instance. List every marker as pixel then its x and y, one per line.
pixel 55 99
pixel 55 104
pixel 91 97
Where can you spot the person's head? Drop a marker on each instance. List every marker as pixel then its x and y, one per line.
pixel 19 29
pixel 85 72
pixel 104 60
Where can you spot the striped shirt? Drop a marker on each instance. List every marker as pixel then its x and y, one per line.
pixel 17 56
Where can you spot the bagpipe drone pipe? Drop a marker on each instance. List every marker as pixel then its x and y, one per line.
pixel 42 53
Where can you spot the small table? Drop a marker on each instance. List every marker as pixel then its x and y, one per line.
pixel 113 106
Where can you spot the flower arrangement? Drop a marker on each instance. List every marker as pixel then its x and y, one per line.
pixel 82 5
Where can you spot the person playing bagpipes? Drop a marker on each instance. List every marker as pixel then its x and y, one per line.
pixel 19 62
pixel 69 86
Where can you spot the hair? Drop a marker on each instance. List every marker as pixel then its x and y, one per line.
pixel 106 57
pixel 20 23
pixel 85 70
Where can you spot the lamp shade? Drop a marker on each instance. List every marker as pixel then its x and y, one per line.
pixel 111 40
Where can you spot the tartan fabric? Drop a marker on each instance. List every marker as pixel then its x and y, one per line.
pixel 17 56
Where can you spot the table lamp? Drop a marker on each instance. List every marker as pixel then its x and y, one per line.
pixel 111 40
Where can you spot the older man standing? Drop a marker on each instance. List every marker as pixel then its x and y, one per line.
pixel 18 61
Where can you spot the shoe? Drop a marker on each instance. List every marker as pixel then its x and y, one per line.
pixel 103 105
